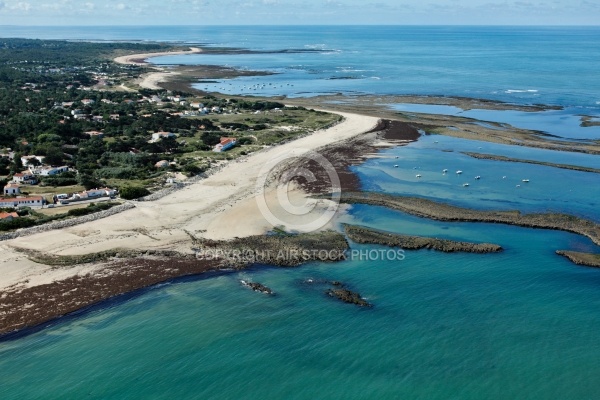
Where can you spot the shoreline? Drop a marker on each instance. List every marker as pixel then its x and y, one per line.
pixel 173 223
pixel 213 209
pixel 140 59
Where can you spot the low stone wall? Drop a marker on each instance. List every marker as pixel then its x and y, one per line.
pixel 67 222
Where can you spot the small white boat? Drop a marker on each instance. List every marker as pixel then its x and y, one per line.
pixel 478 177
pixel 525 180
pixel 518 185
pixel 465 184
pixel 396 166
pixel 459 172
pixel 418 175
pixel 504 177
pixel 397 157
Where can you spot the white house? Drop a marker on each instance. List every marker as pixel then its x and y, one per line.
pixel 25 177
pixel 87 102
pixel 35 201
pixel 159 135
pixel 12 189
pixel 25 159
pixel 47 171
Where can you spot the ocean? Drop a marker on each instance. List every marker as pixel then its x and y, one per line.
pixel 519 324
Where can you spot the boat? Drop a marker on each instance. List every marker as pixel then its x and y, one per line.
pixel 525 180
pixel 418 175
pixel 465 184
pixel 396 166
pixel 444 171
pixel 478 177
pixel 459 172
pixel 504 177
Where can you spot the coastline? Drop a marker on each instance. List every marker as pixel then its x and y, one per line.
pixel 220 207
pixel 140 59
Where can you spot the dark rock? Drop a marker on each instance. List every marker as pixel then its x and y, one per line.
pixel 257 287
pixel 348 296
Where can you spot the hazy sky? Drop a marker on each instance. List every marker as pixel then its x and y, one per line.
pixel 301 12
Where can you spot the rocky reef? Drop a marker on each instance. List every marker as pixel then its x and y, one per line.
pixel 427 208
pixel 586 259
pixel 257 287
pixel 360 234
pixel 283 250
pixel 348 296
pixel 494 157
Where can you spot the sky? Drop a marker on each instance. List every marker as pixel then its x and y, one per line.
pixel 299 12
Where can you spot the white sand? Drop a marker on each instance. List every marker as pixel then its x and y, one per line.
pixel 220 207
pixel 133 58
pixel 152 79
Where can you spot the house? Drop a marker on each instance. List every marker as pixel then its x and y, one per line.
pixel 26 159
pixel 95 134
pixel 197 105
pixel 225 144
pixel 12 189
pixel 98 118
pixel 92 193
pixel 25 177
pixel 48 171
pixel 110 192
pixel 6 216
pixel 34 201
pixel 114 117
pixel 87 102
pixel 162 164
pixel 159 135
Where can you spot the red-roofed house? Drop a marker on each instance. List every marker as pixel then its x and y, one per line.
pixel 6 216
pixel 225 144
pixel 25 177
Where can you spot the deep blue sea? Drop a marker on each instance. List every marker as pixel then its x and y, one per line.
pixel 522 324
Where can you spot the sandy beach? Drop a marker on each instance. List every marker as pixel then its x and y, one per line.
pixel 151 80
pixel 221 206
pixel 140 59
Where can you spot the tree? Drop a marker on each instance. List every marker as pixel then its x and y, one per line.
pixel 88 181
pixel 54 156
pixel 133 192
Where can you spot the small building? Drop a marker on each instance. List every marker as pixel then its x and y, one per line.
pixel 25 177
pixel 92 193
pixel 225 144
pixel 159 135
pixel 97 134
pixel 34 201
pixel 12 189
pixel 196 105
pixel 8 216
pixel 48 171
pixel 114 117
pixel 26 159
pixel 87 102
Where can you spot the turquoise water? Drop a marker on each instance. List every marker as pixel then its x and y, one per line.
pixel 519 324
